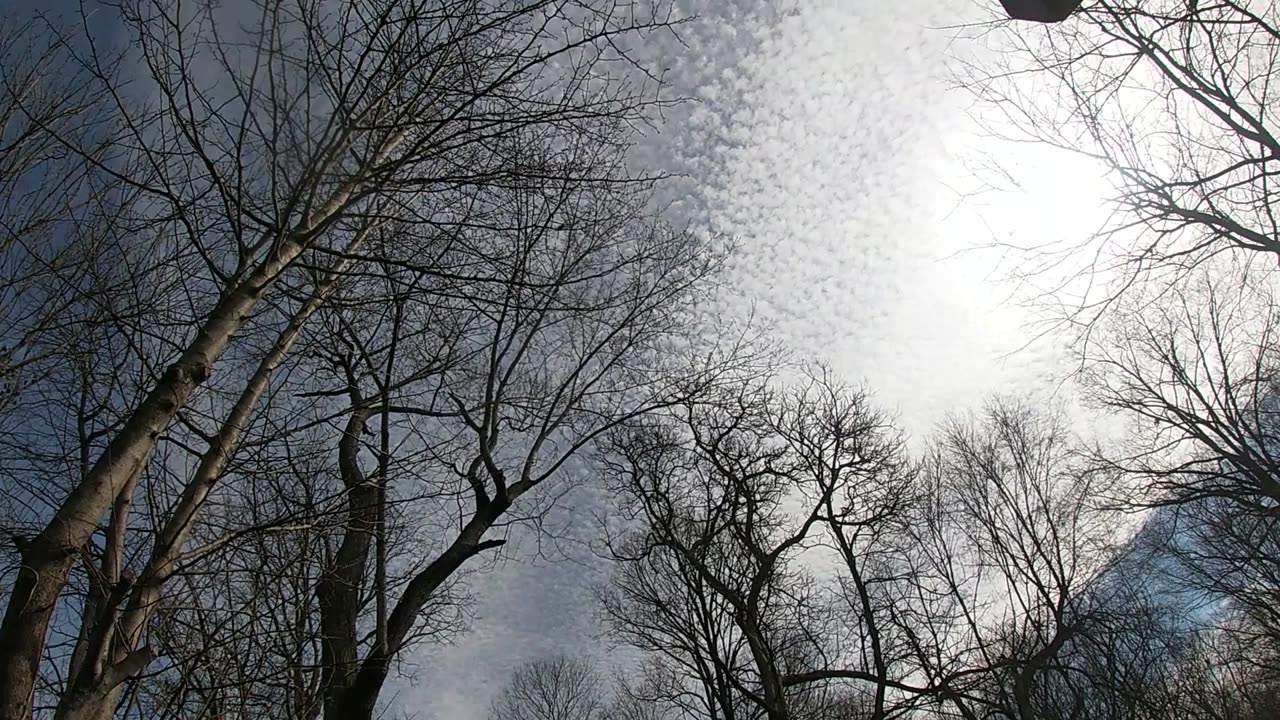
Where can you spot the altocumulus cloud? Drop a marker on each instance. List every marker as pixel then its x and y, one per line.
pixel 824 140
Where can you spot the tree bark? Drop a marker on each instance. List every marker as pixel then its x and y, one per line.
pixel 774 693
pixel 47 558
pixel 338 590
pixel 359 701
pixel 121 640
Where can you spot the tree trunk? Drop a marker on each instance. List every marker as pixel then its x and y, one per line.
pixel 91 706
pixel 47 558
pixel 96 698
pixel 124 638
pixel 359 701
pixel 338 590
pixel 775 698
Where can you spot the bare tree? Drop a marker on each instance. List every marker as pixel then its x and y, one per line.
pixel 710 578
pixel 1011 549
pixel 264 160
pixel 1196 368
pixel 1175 100
pixel 1218 555
pixel 1157 650
pixel 563 341
pixel 54 209
pixel 995 580
pixel 555 688
pixel 551 335
pixel 656 604
pixel 635 702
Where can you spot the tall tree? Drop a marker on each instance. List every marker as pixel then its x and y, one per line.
pixel 1172 99
pixel 726 494
pixel 265 156
pixel 1012 546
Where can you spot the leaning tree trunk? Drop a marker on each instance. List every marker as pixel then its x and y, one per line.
pixel 46 560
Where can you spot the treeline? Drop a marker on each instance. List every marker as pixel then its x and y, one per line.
pixel 306 304
pixel 787 559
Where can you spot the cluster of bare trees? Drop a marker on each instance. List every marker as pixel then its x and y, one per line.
pixel 788 560
pixel 1176 335
pixel 782 555
pixel 304 304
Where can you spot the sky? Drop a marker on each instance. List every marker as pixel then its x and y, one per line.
pixel 825 139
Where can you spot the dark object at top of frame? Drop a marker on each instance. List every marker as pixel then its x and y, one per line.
pixel 1045 11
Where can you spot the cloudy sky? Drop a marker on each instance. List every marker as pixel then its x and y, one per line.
pixel 825 140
